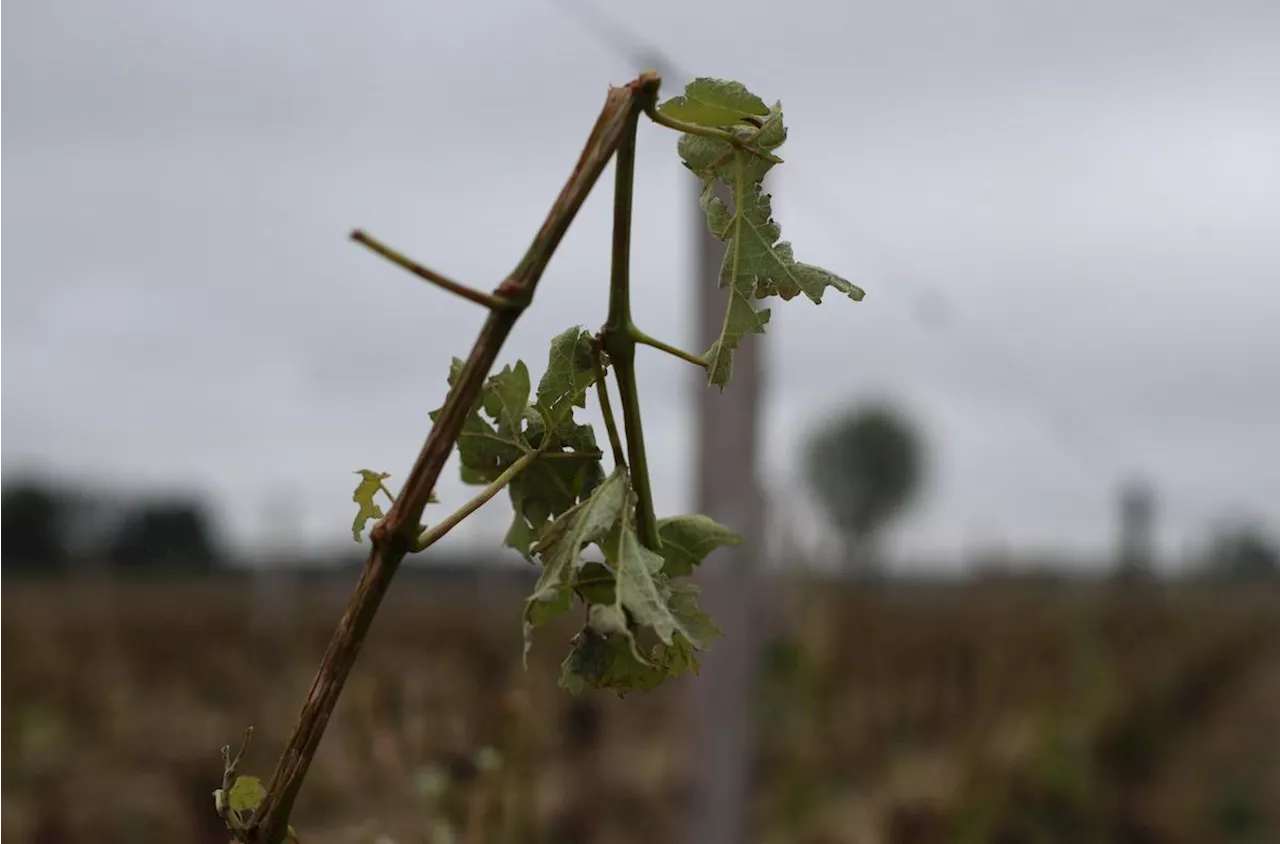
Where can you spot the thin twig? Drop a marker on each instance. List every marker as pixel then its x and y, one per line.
pixel 396 534
pixel 490 301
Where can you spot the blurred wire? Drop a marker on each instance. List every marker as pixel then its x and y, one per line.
pixel 933 311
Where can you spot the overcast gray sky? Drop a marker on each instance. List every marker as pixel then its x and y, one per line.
pixel 1094 187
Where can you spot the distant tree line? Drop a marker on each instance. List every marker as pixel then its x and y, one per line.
pixel 50 528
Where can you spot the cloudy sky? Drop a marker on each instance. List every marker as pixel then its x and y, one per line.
pixel 1064 216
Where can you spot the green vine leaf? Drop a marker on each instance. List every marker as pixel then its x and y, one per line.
pixel 608 662
pixel 629 593
pixel 570 373
pixel 640 584
pixel 757 264
pixel 687 540
pixel 612 662
pixel 552 486
pixel 714 103
pixel 504 425
pixel 489 446
pixel 755 260
pixel 632 592
pixel 560 552
pixel 595 584
pixel 698 628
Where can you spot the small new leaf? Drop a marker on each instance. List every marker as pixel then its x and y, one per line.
pixel 244 797
pixel 247 794
pixel 370 485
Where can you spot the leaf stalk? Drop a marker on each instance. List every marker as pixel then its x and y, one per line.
pixel 436 532
pixel 645 340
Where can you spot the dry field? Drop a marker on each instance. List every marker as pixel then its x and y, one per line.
pixel 990 715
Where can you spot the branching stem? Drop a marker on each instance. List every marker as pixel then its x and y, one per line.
pixel 489 300
pixel 619 341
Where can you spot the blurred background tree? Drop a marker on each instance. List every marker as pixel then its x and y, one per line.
pixel 54 527
pixel 1241 551
pixel 33 517
pixel 173 534
pixel 866 467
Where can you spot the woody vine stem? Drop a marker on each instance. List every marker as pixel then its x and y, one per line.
pixel 532 446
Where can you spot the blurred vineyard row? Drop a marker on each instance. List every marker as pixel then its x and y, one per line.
pixel 985 714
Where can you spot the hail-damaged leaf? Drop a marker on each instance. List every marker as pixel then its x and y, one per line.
pixel 712 158
pixel 570 373
pixel 687 540
pixel 488 446
pixel 507 398
pixel 617 664
pixel 520 535
pixel 503 426
pixel 714 102
pixel 698 628
pixel 610 662
pixel 560 552
pixel 554 483
pixel 640 594
pixel 756 265
pixel 640 584
pixel 571 470
pixel 609 621
pixel 595 584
